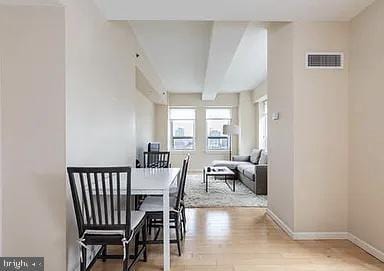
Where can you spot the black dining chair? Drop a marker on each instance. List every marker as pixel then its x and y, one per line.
pixel 182 205
pixel 156 159
pixel 153 159
pixel 102 203
pixel 153 206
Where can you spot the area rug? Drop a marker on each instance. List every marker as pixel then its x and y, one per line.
pixel 219 194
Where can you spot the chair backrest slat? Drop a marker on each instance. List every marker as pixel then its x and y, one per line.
pixel 156 159
pixel 111 198
pixel 185 178
pixel 95 177
pixel 118 200
pixel 85 198
pixel 100 206
pixel 93 213
pixel 105 200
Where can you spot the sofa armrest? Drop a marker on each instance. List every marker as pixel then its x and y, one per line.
pixel 261 177
pixel 261 168
pixel 241 158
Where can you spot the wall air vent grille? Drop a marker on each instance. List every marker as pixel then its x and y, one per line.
pixel 325 61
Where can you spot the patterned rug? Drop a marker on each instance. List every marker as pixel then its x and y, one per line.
pixel 219 194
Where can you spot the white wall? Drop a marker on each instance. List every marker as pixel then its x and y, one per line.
pixel 366 129
pixel 337 137
pixel 248 122
pixel 161 125
pixel 145 124
pixel 312 130
pixel 100 87
pixel 280 133
pixel 320 131
pixel 260 91
pixel 100 96
pixel 32 54
pixel 199 157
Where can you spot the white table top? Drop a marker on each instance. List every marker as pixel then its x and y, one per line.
pixel 157 181
pixel 153 180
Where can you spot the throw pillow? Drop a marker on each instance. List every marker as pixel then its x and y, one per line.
pixel 263 158
pixel 255 155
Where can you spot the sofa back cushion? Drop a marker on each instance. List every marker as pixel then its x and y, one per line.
pixel 263 158
pixel 255 156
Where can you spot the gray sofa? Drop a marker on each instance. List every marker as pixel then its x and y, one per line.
pixel 251 170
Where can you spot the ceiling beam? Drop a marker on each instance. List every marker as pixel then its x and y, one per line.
pixel 225 39
pixel 147 79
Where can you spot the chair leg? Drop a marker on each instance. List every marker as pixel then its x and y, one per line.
pixel 104 253
pixel 83 262
pixel 144 233
pixel 181 231
pixel 157 234
pixel 137 202
pixel 125 261
pixel 150 226
pixel 184 219
pixel 137 239
pixel 177 228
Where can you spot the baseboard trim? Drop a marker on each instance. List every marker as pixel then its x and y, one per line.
pixel 367 247
pixel 306 235
pixel 320 235
pixel 280 223
pixel 327 235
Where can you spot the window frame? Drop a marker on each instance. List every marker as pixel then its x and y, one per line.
pixel 171 137
pixel 263 116
pixel 207 137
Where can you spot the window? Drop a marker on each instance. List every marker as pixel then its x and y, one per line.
pixel 182 124
pixel 263 124
pixel 216 118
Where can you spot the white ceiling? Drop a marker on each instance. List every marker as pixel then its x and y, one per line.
pixel 177 51
pixel 209 46
pixel 204 57
pixel 31 2
pixel 249 64
pixel 243 10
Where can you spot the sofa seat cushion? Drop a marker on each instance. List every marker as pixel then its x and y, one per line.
pixel 250 173
pixel 229 164
pixel 248 170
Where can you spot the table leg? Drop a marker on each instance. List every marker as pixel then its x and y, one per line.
pixel 234 184
pixel 166 249
pixel 204 175
pixel 227 182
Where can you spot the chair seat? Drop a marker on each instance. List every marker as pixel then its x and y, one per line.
pixel 97 237
pixel 155 204
pixel 136 218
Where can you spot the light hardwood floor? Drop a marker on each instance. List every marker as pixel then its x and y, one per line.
pixel 246 239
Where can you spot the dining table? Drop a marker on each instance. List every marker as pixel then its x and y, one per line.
pixel 157 181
